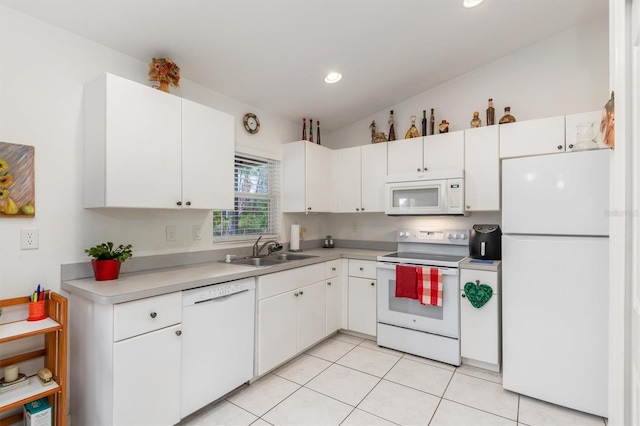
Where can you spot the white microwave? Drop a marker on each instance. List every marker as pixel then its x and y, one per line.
pixel 424 196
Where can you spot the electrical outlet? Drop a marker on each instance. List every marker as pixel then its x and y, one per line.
pixel 29 238
pixel 197 232
pixel 171 232
pixel 354 226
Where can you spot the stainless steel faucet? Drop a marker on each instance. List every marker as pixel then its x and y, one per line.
pixel 273 245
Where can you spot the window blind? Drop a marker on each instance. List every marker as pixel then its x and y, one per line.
pixel 256 205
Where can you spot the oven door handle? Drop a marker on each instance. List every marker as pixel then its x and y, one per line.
pixel 392 267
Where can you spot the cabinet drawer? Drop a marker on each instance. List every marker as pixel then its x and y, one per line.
pixel 142 316
pixel 281 282
pixel 333 268
pixel 362 268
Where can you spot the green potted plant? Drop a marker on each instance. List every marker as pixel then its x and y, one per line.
pixel 106 260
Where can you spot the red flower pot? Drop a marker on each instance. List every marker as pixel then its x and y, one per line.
pixel 106 270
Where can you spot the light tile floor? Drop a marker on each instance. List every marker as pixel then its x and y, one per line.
pixel 347 380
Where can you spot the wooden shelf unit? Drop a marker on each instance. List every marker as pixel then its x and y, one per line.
pixel 54 329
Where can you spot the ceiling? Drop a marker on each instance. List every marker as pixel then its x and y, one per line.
pixel 274 54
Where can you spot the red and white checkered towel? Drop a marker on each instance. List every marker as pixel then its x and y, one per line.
pixel 430 286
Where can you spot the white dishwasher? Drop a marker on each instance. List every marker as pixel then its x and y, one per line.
pixel 217 341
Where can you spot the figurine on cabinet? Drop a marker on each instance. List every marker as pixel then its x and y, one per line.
pixel 443 127
pixel 476 121
pixel 413 130
pixel 372 128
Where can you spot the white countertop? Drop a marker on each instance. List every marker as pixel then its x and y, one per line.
pixel 138 285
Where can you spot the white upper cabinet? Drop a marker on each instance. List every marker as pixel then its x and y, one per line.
pixel 404 157
pixel 361 174
pixel 145 148
pixel 207 157
pixel 307 172
pixel 533 137
pixel 482 169
pixel 444 151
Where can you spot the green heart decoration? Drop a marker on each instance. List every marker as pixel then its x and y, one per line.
pixel 478 294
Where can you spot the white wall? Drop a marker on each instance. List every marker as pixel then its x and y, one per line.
pixel 42 73
pixel 564 74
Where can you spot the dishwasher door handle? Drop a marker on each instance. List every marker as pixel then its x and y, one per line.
pixel 224 296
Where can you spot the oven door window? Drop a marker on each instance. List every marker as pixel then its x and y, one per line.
pixel 416 197
pixel 411 306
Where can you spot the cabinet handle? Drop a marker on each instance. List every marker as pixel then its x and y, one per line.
pixel 178 332
pixel 419 169
pixel 570 146
pixel 357 209
pixel 362 209
pixel 308 208
pixel 373 284
pixel 468 206
pixel 328 282
pixel 333 269
pixel 188 203
pixel 425 169
pixel 463 295
pixel 179 203
pixel 301 293
pixel 153 314
pixel 477 282
pixel 361 268
pixel 559 146
pixel 295 294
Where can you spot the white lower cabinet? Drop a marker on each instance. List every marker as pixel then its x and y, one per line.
pixel 146 380
pixel 480 331
pixel 362 314
pixel 291 314
pixel 126 371
pixel 334 296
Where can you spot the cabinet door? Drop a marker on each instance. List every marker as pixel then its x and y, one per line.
pixel 362 305
pixel 532 137
pixel 207 158
pixel 349 180
pixel 404 157
pixel 444 151
pixel 318 174
pixel 334 305
pixel 374 175
pixel 143 147
pixel 146 379
pixel 277 330
pixel 293 177
pixel 480 327
pixel 482 169
pixel 311 314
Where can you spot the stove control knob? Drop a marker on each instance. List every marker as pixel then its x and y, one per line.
pixel 449 236
pixel 463 236
pixel 401 234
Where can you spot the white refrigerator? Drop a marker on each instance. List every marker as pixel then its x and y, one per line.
pixel 555 257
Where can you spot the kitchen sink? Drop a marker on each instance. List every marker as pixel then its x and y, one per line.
pixel 257 261
pixel 290 256
pixel 269 260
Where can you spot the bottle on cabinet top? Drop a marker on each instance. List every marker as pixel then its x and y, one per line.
pixel 507 117
pixel 310 130
pixel 491 113
pixel 413 130
pixel 424 122
pixel 318 132
pixel 432 123
pixel 392 131
pixel 304 129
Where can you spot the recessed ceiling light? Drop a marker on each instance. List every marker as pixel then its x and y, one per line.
pixel 471 3
pixel 333 77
